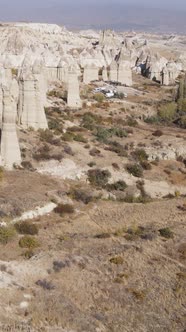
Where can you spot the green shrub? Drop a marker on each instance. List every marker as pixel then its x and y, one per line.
pixel 82 195
pixel 152 119
pixel 27 227
pixel 118 260
pixel 6 234
pixel 135 169
pixel 67 137
pixel 89 120
pixel 182 105
pixel 92 164
pixel 29 242
pixel 103 134
pixel 146 165
pixel 120 132
pixel 26 164
pixel 131 122
pixel 167 112
pixel 182 121
pixel 14 71
pixel 102 236
pixel 157 133
pixel 117 186
pixel 43 153
pixel 117 148
pixel 64 209
pixel 98 177
pixel 94 152
pixel 166 233
pixel 54 124
pixel 80 138
pixel 140 155
pixel 99 97
pixel 46 135
pixel 1 173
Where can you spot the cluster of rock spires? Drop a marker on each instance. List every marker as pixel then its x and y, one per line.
pixel 41 53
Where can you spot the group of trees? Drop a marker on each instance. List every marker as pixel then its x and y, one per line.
pixel 173 112
pixel 181 100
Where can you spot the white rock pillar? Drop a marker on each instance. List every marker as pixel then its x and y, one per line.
pixel 113 74
pixel 38 71
pixel 31 111
pixel 105 74
pixel 73 97
pixel 125 73
pixel 90 73
pixel 62 72
pixel 10 150
pixel 1 106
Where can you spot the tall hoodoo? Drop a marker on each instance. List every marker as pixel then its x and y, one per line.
pixel 73 98
pixel 90 73
pixel 10 150
pixel 31 102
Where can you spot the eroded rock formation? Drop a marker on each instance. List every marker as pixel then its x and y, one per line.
pixel 10 150
pixel 73 97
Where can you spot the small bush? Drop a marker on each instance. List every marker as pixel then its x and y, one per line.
pixel 94 152
pixel 92 164
pixel 55 125
pixel 117 148
pixel 28 242
pixel 131 122
pixel 182 122
pixel 6 234
pixel 43 153
pixel 118 260
pixel 135 169
pixel 46 285
pixel 67 137
pixel 98 177
pixel 14 71
pixel 117 186
pixel 166 233
pixel 82 195
pixel 27 165
pixel 116 166
pixel 120 132
pixel 46 136
pixel 99 97
pixel 80 138
pixel 103 134
pixel 167 112
pixel 59 265
pixel 146 165
pixel 1 173
pixel 152 119
pixel 64 209
pixel 89 120
pixel 140 155
pixel 102 236
pixel 138 294
pixel 28 254
pixel 157 133
pixel 27 227
pixel 68 150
